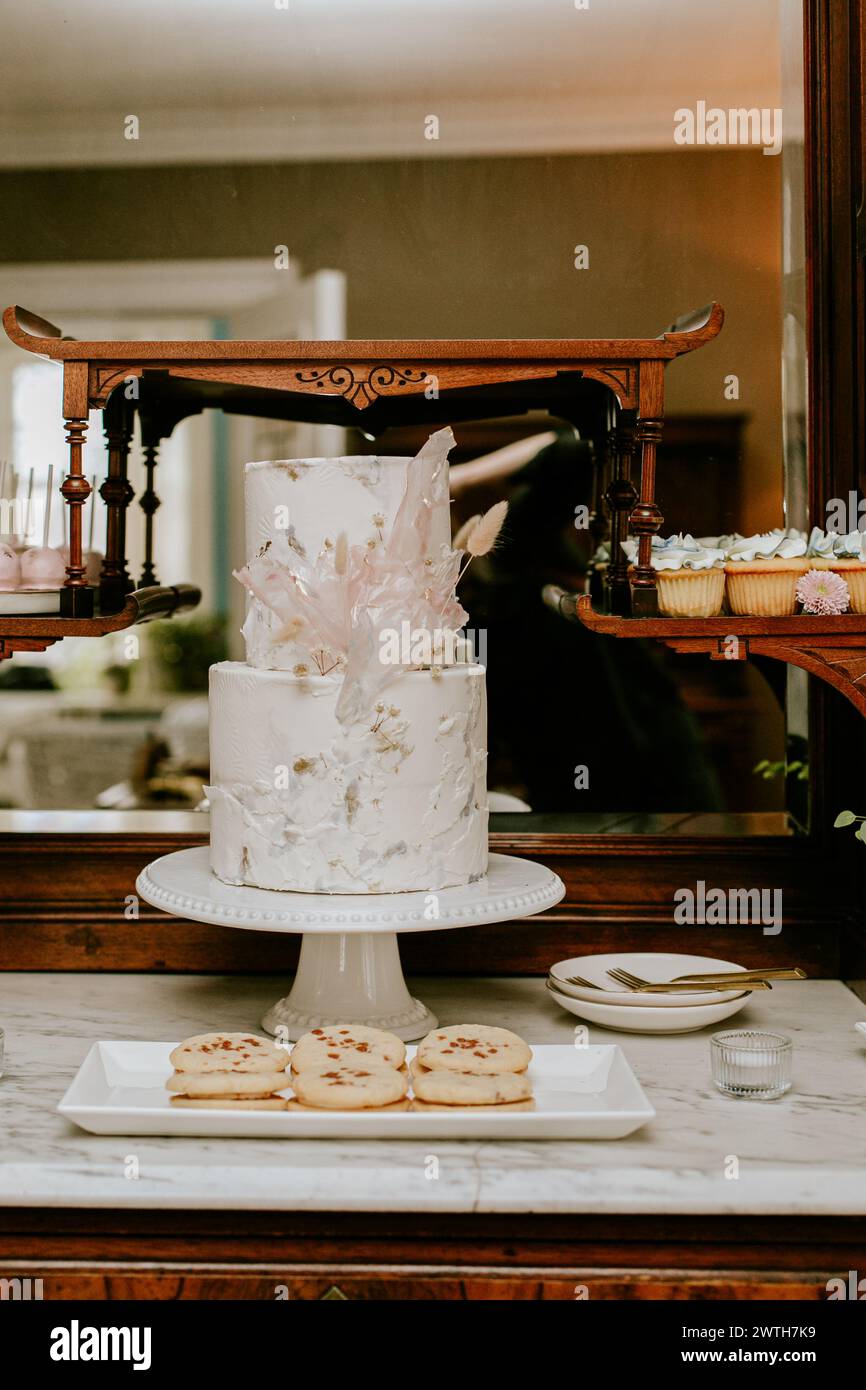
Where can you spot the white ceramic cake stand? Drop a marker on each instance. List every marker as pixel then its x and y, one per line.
pixel 349 970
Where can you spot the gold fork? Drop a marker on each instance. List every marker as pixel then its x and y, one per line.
pixel 788 972
pixel 673 988
pixel 722 983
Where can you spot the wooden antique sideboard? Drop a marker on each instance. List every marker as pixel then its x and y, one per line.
pixel 67 881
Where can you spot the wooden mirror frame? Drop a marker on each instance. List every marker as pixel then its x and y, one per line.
pixel 68 899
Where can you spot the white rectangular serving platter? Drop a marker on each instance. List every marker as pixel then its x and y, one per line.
pixel 580 1093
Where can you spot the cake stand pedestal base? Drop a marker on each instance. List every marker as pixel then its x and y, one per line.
pixel 349 979
pixel 349 970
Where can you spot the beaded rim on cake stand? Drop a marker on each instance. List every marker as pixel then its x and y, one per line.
pixel 349 969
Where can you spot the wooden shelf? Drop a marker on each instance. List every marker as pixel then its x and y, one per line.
pixel 833 649
pixel 819 631
pixel 610 389
pixel 29 634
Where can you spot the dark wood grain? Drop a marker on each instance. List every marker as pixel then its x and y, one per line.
pixel 195 1254
pixel 67 898
pixel 393 1283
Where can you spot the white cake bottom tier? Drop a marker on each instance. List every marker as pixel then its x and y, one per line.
pixel 395 803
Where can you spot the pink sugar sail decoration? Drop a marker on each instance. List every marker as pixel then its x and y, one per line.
pixel 345 604
pixel 823 592
pixel 400 582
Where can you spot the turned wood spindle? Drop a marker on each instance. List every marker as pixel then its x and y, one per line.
pixel 117 493
pixel 598 525
pixel 621 498
pixel 149 503
pixel 646 520
pixel 76 598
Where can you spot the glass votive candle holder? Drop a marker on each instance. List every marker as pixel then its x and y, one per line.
pixel 752 1065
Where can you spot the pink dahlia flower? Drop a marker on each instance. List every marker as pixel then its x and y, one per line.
pixel 823 592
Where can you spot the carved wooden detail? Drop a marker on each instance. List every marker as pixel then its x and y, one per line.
pixel 104 380
pixel 361 384
pixel 622 380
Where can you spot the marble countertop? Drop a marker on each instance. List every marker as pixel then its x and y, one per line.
pixel 804 1154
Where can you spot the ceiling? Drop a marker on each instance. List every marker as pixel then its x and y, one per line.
pixel 220 80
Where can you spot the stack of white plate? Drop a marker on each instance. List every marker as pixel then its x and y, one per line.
pixel 629 1011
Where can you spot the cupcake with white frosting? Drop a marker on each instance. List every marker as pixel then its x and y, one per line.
pixel 689 576
pixel 845 555
pixel 762 572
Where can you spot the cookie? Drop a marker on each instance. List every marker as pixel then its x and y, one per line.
pixel 228 1083
pixel 404 1104
pixel 347 1042
pixel 349 1086
pixel 229 1102
pixel 474 1047
pixel 461 1088
pixel 243 1052
pixel 426 1105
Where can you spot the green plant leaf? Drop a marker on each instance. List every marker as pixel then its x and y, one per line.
pixel 844 818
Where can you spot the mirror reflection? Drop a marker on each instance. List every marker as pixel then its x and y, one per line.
pixel 481 170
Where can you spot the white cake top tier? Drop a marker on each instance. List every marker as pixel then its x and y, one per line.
pixel 343 553
pixel 311 501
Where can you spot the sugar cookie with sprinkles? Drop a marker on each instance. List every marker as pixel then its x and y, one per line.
pixel 347 1042
pixel 350 1085
pixel 478 1048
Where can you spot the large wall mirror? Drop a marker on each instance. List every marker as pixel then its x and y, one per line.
pixel 460 169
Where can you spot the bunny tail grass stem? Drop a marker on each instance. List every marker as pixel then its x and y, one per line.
pixel 459 541
pixel 483 536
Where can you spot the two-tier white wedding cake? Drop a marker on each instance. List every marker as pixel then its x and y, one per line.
pixel 348 752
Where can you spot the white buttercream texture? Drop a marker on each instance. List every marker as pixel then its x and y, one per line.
pixel 676 553
pixel 832 545
pixel 769 545
pixel 395 802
